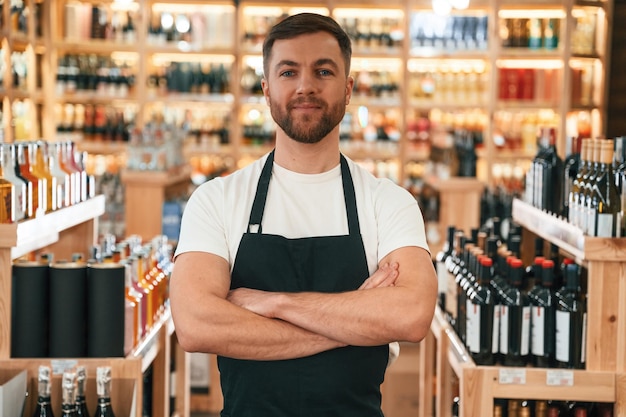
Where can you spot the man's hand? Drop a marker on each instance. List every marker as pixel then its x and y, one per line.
pixel 262 302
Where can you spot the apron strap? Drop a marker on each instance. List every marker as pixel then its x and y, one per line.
pixel 256 214
pixel 258 206
pixel 350 198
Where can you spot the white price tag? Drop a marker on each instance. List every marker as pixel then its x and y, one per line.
pixel 560 378
pixel 512 376
pixel 61 365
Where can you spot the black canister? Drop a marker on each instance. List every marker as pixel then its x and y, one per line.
pixel 105 310
pixel 68 282
pixel 29 309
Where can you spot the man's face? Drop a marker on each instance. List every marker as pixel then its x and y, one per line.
pixel 306 86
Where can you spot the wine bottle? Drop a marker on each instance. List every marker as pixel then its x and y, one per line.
pixel 103 390
pixel 587 212
pixel 571 167
pixel 515 320
pixel 578 184
pixel 43 407
pixel 12 190
pixel 480 316
pixel 605 195
pixel 68 394
pixel 440 263
pixel 570 323
pixel 543 318
pixel 81 404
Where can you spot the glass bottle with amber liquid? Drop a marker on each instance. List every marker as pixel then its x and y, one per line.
pixel 23 169
pixel 39 152
pixel 30 158
pixel 12 190
pixel 606 198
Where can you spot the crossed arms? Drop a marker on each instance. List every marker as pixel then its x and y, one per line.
pixel 396 303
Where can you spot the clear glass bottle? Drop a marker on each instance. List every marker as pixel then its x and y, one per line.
pixel 62 178
pixel 23 167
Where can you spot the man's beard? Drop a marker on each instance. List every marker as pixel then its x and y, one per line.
pixel 305 129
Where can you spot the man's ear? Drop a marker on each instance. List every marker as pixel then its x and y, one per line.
pixel 266 91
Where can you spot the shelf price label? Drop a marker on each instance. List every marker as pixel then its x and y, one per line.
pixel 560 378
pixel 515 376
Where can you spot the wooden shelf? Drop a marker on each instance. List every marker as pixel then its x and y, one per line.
pixel 63 232
pixel 605 367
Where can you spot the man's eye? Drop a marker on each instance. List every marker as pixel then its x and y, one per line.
pixel 325 72
pixel 286 74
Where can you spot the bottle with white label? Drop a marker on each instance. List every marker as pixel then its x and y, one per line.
pixel 515 319
pixel 570 322
pixel 542 321
pixel 480 316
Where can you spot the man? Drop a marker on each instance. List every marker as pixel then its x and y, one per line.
pixel 300 269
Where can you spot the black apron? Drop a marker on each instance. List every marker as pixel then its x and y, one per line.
pixel 343 382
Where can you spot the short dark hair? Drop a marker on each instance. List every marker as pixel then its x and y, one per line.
pixel 306 23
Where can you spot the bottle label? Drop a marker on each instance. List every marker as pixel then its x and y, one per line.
pixel 591 221
pixel 451 295
pixel 504 330
pixel 472 330
pixel 442 277
pixel 537 330
pixel 583 348
pixel 604 225
pixel 562 336
pixel 496 329
pixel 525 331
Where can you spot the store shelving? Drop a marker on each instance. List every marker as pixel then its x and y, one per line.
pixel 63 232
pixel 602 379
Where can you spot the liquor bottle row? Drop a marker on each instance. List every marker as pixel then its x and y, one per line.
pixel 100 307
pixel 94 122
pixel 84 21
pixel 40 177
pixel 374 33
pixel 90 72
pixel 428 29
pixel 507 313
pixel 19 70
pixel 461 83
pixel 156 147
pixel 587 188
pixel 73 393
pixel 550 408
pixel 203 28
pixel 527 84
pixel 534 33
pixel 187 77
pixel 18 16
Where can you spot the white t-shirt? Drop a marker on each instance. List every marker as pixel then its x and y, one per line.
pixel 300 205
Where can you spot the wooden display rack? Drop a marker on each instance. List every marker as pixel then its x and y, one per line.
pixel 64 232
pixel 603 380
pixel 459 205
pixel 144 194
